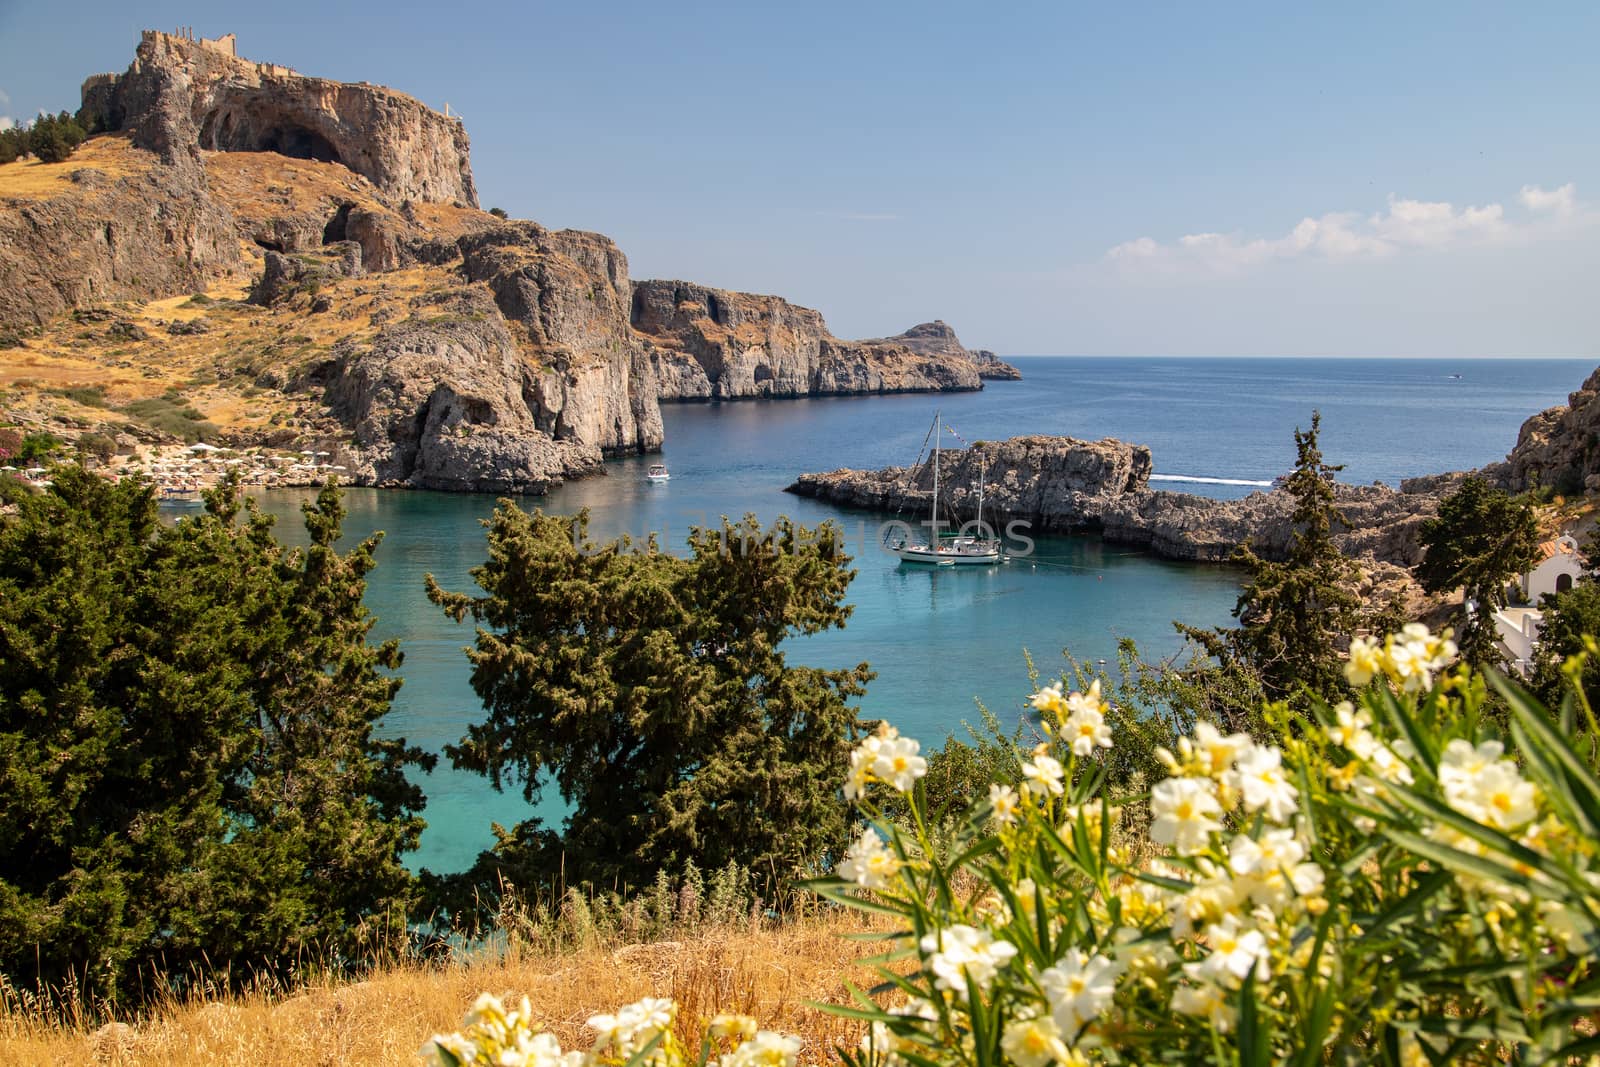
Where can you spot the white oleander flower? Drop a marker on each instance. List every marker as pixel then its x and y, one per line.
pixel 1365 662
pixel 1388 766
pixel 860 774
pixel 1090 699
pixel 463 1050
pixel 1085 730
pixel 1042 775
pixel 1274 850
pixel 732 1024
pixel 1213 896
pixel 1500 797
pixel 1005 803
pixel 1414 654
pixel 634 1025
pixel 1033 1042
pixel 1235 953
pixel 1351 730
pixel 961 953
pixel 898 764
pixel 1218 752
pixel 1461 761
pixel 766 1049
pixel 1264 785
pixel 1049 699
pixel 1208 1000
pixel 868 862
pixel 1184 812
pixel 1078 988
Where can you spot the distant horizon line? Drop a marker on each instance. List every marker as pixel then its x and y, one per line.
pixel 1434 359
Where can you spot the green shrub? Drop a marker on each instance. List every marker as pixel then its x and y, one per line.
pixel 1386 881
pixel 172 414
pixel 97 445
pixel 90 396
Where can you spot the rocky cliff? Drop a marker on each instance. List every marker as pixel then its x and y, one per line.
pixel 112 224
pixel 514 371
pixel 937 339
pixel 1064 485
pixel 713 344
pixel 1559 447
pixel 300 262
pixel 181 96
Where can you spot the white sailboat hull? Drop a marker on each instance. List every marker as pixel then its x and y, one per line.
pixel 972 554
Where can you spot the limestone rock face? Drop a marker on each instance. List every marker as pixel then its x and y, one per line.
pixel 151 229
pixel 181 95
pixel 713 344
pixel 445 400
pixel 1064 485
pixel 524 377
pixel 1558 447
pixel 568 291
pixel 937 339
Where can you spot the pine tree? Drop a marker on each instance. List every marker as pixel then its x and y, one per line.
pixel 1480 540
pixel 651 690
pixel 1295 616
pixel 187 753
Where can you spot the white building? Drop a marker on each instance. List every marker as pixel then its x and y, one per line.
pixel 1558 568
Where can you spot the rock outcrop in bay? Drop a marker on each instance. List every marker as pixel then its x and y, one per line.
pixel 714 344
pixel 1062 485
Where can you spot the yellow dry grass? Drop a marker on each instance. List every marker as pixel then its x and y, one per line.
pixel 770 973
pixel 267 185
pixel 214 370
pixel 113 154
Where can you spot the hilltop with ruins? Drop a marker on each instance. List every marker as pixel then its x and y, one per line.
pixel 301 263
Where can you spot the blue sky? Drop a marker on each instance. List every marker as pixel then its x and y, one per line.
pixel 1184 179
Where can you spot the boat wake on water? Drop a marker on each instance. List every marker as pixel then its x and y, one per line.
pixel 1207 481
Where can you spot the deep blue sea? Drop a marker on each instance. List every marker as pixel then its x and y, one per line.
pixel 942 640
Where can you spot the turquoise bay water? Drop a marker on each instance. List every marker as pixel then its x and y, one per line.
pixel 942 639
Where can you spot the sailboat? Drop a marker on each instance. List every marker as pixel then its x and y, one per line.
pixel 949 549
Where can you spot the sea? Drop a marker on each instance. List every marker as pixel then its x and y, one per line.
pixel 944 642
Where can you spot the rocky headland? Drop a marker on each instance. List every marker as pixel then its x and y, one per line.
pixel 302 263
pixel 713 344
pixel 939 340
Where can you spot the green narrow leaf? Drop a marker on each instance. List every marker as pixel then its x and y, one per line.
pixel 1585 787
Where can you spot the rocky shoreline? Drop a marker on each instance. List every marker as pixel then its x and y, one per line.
pixel 1062 485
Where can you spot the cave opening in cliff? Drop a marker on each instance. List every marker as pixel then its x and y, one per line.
pixel 297 142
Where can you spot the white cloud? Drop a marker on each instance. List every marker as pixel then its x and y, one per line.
pixel 1403 225
pixel 1562 201
pixel 5 122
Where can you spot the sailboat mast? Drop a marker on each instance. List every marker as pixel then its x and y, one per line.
pixel 980 491
pixel 938 431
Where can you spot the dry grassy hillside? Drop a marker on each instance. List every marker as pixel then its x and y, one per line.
pixel 211 351
pixel 770 973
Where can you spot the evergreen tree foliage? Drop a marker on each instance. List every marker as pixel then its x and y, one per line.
pixel 1567 618
pixel 651 690
pixel 1480 540
pixel 50 138
pixel 1295 615
pixel 188 761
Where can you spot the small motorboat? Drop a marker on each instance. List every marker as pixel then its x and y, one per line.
pixel 657 473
